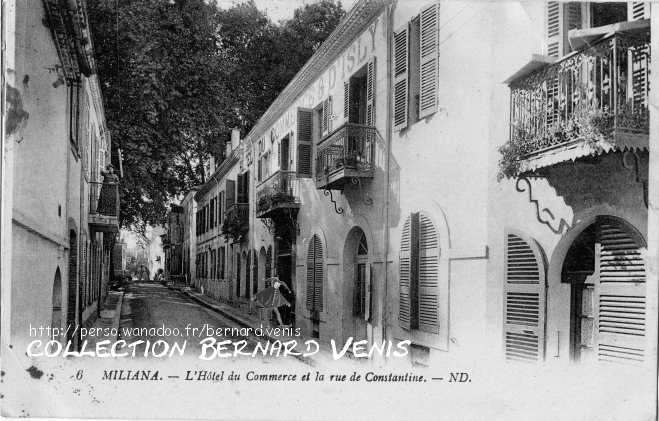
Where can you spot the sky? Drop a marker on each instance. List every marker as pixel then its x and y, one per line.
pixel 280 9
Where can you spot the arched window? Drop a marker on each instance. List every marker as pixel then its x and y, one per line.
pixel 361 279
pixel 419 275
pixel 315 274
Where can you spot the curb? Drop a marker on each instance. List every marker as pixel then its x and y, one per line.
pixel 117 315
pixel 238 320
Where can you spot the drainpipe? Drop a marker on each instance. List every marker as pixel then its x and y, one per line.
pixel 388 136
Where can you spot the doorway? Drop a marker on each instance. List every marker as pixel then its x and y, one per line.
pixel 357 289
pixel 605 268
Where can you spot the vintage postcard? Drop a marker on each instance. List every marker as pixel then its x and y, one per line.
pixel 323 209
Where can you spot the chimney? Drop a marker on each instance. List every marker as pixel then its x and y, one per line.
pixel 235 138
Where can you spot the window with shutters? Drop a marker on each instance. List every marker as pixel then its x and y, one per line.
pixel 562 17
pixel 304 142
pixel 314 298
pixel 525 291
pixel 325 109
pixel 416 68
pixel 419 284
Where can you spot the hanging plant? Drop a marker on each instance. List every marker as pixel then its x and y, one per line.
pixel 234 227
pixel 591 126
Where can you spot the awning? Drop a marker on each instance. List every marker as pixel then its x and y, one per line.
pixel 582 38
pixel 536 63
pixel 570 152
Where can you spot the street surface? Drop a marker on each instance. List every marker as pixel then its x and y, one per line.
pixel 152 305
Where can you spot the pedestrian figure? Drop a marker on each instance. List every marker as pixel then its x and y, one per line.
pixel 271 298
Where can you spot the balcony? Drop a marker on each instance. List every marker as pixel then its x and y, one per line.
pixel 104 206
pixel 346 154
pixel 278 195
pixel 236 222
pixel 589 102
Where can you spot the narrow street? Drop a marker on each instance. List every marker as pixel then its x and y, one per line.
pixel 152 305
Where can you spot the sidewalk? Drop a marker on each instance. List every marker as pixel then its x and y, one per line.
pixel 245 319
pixel 108 319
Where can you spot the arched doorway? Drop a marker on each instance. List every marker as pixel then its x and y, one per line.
pixel 56 319
pixel 606 272
pixel 72 284
pixel 357 276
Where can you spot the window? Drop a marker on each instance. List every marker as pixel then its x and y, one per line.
pixel 359 96
pixel 361 286
pixel 416 68
pixel 563 17
pixel 315 275
pixel 419 275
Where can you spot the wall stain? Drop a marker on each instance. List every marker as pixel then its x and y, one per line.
pixel 16 116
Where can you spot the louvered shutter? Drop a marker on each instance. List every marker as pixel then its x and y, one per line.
pixel 638 10
pixel 429 58
pixel 620 294
pixel 524 300
pixel 248 265
pixel 241 188
pixel 370 92
pixel 639 58
pixel 268 262
pixel 310 273
pixel 561 18
pixel 304 139
pixel 230 193
pixel 346 101
pixel 325 116
pixel 401 45
pixel 428 276
pixel 368 299
pixel 318 274
pixel 404 312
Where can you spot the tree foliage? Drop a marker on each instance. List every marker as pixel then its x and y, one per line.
pixel 178 75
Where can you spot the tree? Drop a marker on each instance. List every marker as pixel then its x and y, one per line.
pixel 178 75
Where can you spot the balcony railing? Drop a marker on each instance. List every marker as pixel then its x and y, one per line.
pixel 347 152
pixel 104 205
pixel 600 93
pixel 279 191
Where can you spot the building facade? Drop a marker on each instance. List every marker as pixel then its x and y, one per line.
pixel 481 205
pixel 60 201
pixel 189 237
pixel 568 213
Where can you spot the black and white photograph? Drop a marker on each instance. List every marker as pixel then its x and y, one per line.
pixel 329 210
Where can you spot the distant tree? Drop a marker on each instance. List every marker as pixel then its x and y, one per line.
pixel 178 75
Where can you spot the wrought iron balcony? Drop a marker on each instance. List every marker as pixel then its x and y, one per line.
pixel 593 99
pixel 278 193
pixel 345 154
pixel 104 206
